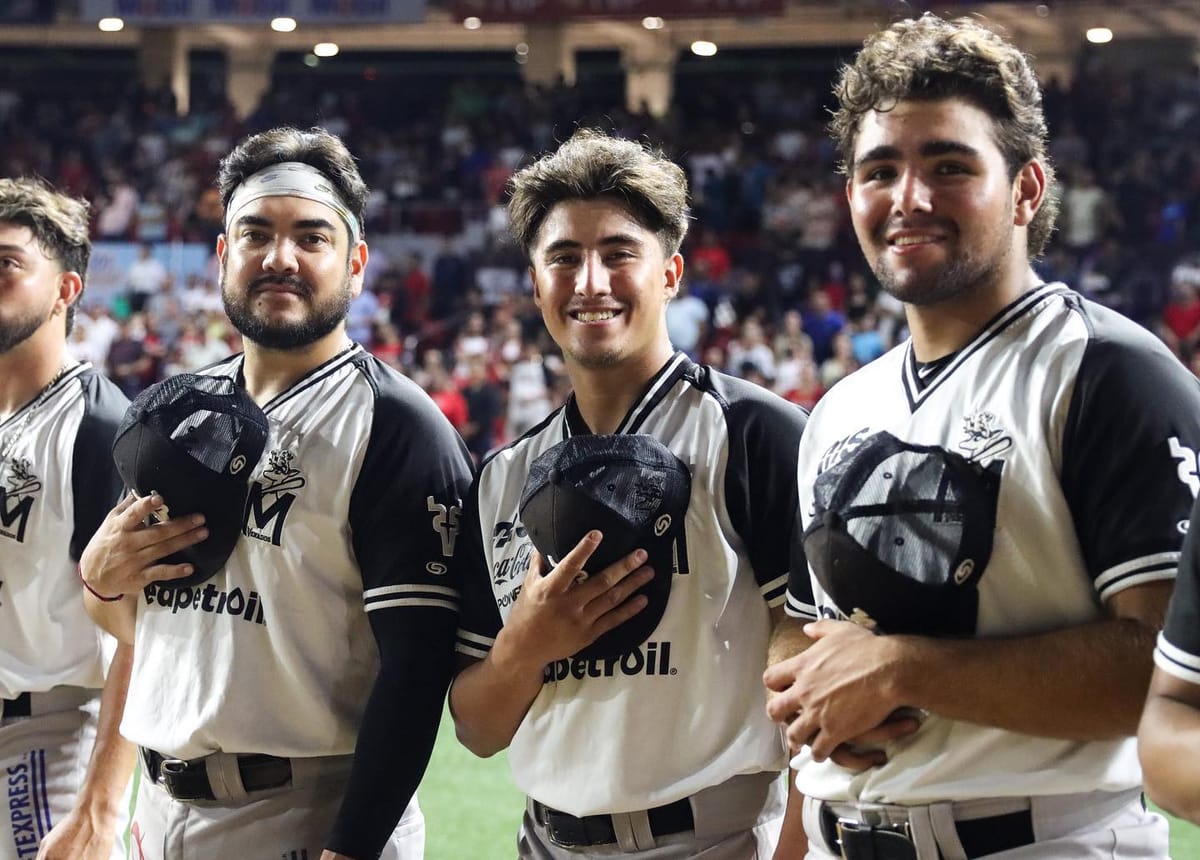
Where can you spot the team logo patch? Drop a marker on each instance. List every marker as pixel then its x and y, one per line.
pixel 983 438
pixel 1188 469
pixel 17 497
pixel 272 496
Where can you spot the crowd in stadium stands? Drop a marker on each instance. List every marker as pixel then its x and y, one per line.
pixel 775 288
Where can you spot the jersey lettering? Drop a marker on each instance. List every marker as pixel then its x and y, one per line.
pixel 1189 465
pixel 650 658
pixel 504 532
pixel 16 500
pixel 265 521
pixel 445 523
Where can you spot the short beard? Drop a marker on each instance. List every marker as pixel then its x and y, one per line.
pixel 960 277
pixel 16 332
pixel 322 317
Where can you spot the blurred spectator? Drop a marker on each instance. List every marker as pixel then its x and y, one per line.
pixel 528 392
pixel 823 324
pixel 687 320
pixel 146 277
pixel 485 406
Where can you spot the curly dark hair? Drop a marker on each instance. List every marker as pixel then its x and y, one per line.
pixel 593 165
pixel 58 223
pixel 929 58
pixel 315 147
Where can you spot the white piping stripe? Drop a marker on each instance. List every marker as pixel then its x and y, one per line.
pixel 1176 662
pixel 471 652
pixel 475 637
pixel 1137 579
pixel 774 584
pixel 1147 561
pixel 408 589
pixel 412 601
pixel 664 376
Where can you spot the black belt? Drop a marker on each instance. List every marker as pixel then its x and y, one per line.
pixel 188 780
pixel 567 831
pixel 979 836
pixel 18 707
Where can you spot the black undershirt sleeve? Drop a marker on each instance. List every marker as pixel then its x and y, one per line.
pixel 404 519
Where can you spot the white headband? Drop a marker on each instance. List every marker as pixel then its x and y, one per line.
pixel 292 179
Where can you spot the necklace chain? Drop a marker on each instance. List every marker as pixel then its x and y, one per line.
pixel 15 434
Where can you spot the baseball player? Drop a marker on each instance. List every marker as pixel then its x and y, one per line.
pixel 992 512
pixel 290 703
pixel 663 752
pixel 1169 734
pixel 55 414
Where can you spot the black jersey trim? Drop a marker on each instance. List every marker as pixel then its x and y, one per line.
pixel 314 376
pixel 918 392
pixel 1175 661
pixel 654 393
pixel 49 394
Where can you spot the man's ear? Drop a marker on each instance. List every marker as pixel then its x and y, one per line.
pixel 537 293
pixel 673 275
pixel 1029 189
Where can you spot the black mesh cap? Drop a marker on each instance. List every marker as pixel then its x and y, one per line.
pixel 900 535
pixel 631 488
pixel 195 440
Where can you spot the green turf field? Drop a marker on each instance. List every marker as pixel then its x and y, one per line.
pixel 472 809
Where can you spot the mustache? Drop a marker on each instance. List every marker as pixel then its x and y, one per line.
pixel 293 283
pixel 943 225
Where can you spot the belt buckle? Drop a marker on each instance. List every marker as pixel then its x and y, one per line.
pixel 850 825
pixel 171 772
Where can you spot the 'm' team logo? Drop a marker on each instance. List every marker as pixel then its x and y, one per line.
pixel 271 497
pixel 16 499
pixel 983 438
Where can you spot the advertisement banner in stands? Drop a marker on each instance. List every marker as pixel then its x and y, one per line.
pixel 108 271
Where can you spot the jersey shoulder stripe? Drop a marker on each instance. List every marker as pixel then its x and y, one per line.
pixel 1176 662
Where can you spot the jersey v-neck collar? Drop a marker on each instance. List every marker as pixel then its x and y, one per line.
pixel 45 396
pixel 920 381
pixel 654 392
pixel 305 382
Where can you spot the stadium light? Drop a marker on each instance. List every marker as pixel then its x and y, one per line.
pixel 326 49
pixel 472 23
pixel 111 25
pixel 704 48
pixel 283 25
pixel 1099 35
pixel 652 22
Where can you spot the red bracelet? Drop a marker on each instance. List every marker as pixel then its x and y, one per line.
pixel 93 592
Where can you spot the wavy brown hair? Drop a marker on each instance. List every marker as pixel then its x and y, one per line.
pixel 929 58
pixel 592 165
pixel 59 225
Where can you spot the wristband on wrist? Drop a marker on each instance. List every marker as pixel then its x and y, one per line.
pixel 93 592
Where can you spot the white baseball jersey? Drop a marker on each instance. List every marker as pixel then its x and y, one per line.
pixel 1093 426
pixel 56 487
pixel 685 710
pixel 353 511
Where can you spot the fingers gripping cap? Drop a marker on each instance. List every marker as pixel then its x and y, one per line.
pixel 901 534
pixel 631 488
pixel 195 440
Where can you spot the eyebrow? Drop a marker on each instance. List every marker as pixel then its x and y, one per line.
pixel 929 149
pixel 14 249
pixel 607 241
pixel 305 224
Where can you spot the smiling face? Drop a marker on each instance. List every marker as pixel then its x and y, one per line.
pixel 602 282
pixel 935 208
pixel 287 279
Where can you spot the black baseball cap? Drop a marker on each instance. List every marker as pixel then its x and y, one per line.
pixel 630 487
pixel 195 440
pixel 901 534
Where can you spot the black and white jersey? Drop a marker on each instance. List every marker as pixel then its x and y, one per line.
pixel 56 486
pixel 1093 428
pixel 1178 651
pixel 685 710
pixel 353 510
